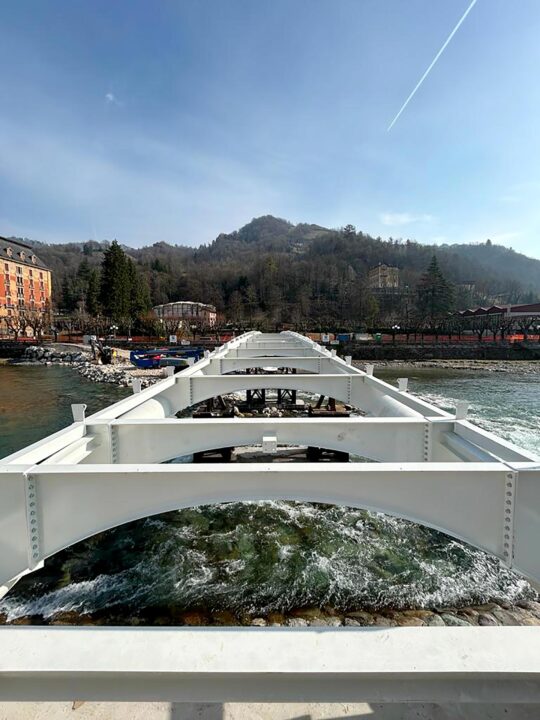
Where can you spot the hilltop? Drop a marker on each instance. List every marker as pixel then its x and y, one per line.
pixel 288 271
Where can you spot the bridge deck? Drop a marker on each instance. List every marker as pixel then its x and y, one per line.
pixel 425 464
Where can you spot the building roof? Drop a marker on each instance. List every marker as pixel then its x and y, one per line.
pixel 383 265
pixel 187 302
pixel 531 308
pixel 17 248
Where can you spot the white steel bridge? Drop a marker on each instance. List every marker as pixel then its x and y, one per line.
pixel 424 465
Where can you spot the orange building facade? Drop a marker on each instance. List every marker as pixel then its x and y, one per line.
pixel 25 283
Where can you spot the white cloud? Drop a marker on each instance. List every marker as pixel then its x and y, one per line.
pixel 405 218
pixel 176 194
pixel 111 99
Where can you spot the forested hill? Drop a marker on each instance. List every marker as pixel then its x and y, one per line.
pixel 283 270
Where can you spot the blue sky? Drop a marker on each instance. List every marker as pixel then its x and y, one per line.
pixel 178 120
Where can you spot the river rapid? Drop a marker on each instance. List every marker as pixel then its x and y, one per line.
pixel 260 558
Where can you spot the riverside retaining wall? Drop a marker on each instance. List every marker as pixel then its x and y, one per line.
pixel 472 351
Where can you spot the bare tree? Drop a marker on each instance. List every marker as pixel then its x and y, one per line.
pixel 16 324
pixel 526 324
pixel 169 325
pixel 37 320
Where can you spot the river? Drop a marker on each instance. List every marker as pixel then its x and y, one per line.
pixel 261 557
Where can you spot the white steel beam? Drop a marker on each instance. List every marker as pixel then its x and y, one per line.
pixel 381 439
pixel 275 351
pixel 309 364
pixel 465 500
pixel 526 520
pixel 353 389
pixel 491 443
pixel 436 665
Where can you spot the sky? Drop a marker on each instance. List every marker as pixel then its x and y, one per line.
pixel 176 120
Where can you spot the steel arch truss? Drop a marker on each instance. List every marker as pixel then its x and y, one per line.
pixel 425 465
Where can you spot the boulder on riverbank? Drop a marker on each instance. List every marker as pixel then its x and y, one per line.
pixel 44 354
pixel 491 614
pixel 81 359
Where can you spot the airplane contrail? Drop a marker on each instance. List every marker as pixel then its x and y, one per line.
pixel 437 56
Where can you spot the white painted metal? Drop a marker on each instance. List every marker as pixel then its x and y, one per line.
pixel 440 665
pixel 381 439
pixel 142 429
pixel 442 496
pixel 304 363
pixel 403 384
pixel 78 412
pixel 434 468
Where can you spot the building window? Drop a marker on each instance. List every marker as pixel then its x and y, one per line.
pixel 33 259
pixel 9 252
pixel 19 270
pixel 6 267
pixel 21 302
pixel 41 275
pixel 22 255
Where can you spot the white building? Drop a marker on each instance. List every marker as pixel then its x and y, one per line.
pixel 187 312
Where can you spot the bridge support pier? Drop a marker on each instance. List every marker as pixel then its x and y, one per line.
pixel 286 397
pixel 255 397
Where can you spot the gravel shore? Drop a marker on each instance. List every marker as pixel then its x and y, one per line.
pixel 524 367
pixel 490 614
pixel 121 372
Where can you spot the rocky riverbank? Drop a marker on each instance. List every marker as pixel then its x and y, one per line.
pixel 122 372
pixel 490 614
pixel 490 351
pixel 119 373
pixel 523 367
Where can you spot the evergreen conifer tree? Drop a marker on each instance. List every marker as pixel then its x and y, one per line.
pixel 115 292
pixel 139 291
pixel 435 294
pixel 92 292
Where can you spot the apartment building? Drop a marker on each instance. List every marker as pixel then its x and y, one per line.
pixel 25 281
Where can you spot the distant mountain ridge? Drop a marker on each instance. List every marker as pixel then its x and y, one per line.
pixel 271 263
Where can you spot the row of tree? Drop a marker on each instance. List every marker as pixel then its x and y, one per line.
pixel 271 273
pixel 119 294
pixel 38 321
pixel 116 298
